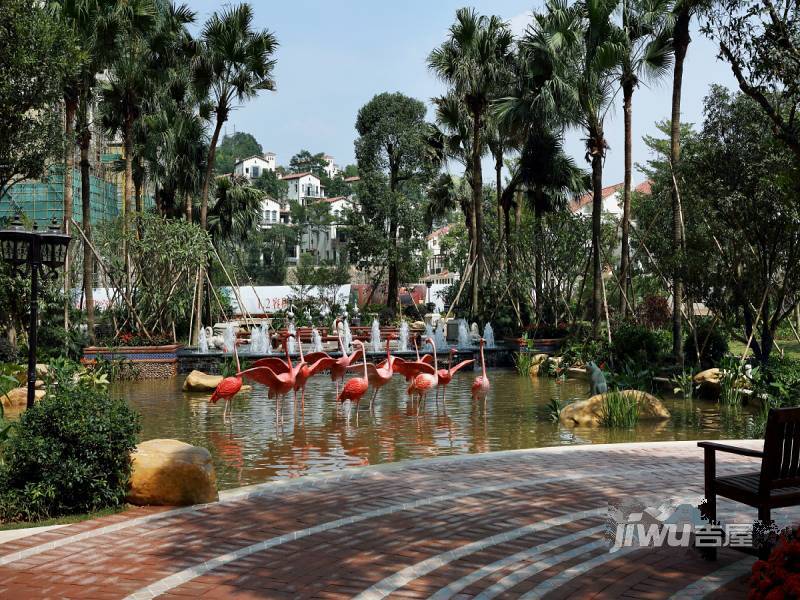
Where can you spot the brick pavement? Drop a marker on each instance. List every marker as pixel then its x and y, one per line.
pixel 518 524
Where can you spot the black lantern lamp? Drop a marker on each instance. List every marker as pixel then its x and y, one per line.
pixel 35 253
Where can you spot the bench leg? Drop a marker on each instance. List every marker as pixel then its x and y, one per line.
pixel 709 510
pixel 764 514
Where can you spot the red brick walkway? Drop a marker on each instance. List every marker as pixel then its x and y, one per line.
pixel 524 524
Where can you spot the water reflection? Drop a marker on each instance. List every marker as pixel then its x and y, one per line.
pixel 255 446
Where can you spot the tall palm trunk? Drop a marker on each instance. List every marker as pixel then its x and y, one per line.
pixel 501 233
pixel 477 211
pixel 681 40
pixel 70 108
pixel 625 251
pixel 537 220
pixel 127 198
pixel 597 144
pixel 394 279
pixel 212 152
pixel 84 139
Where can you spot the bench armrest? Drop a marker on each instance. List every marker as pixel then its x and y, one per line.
pixel 732 449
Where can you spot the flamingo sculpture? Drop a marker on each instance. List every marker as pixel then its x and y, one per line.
pixel 410 369
pixel 356 387
pixel 446 375
pixel 228 387
pixel 423 383
pixel 481 385
pixel 279 384
pixel 340 365
pixel 306 369
pixel 380 375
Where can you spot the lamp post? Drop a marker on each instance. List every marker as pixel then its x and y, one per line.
pixel 33 251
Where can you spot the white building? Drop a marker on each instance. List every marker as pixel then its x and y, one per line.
pixel 254 166
pixel 304 187
pixel 331 168
pixel 270 213
pixel 612 200
pixel 436 271
pixel 329 243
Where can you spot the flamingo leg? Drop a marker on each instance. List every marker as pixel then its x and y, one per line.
pixel 372 400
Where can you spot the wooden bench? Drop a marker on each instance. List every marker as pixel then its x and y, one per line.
pixel 776 484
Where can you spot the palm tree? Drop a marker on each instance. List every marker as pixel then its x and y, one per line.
pixel 474 61
pixel 236 209
pixel 682 11
pixel 550 179
pixel 97 26
pixel 647 26
pixel 234 63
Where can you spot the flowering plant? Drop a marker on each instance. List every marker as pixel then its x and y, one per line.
pixel 778 576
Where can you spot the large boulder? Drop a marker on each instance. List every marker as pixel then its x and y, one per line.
pixel 172 473
pixel 708 382
pixel 589 413
pixel 197 381
pixel 41 373
pixel 16 399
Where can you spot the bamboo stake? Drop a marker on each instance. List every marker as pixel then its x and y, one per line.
pixel 461 287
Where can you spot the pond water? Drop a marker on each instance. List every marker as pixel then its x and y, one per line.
pixel 254 446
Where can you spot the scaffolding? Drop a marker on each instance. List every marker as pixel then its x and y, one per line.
pixel 44 199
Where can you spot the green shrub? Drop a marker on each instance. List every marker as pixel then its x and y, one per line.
pixel 577 351
pixel 8 353
pixel 523 362
pixel 619 410
pixel 639 345
pixel 70 453
pixel 712 341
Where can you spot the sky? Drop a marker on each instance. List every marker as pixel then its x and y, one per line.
pixel 335 56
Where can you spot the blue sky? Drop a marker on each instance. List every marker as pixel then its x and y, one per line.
pixel 335 56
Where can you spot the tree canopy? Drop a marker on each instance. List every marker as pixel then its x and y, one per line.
pixel 233 147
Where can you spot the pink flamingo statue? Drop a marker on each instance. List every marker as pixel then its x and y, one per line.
pixel 228 387
pixel 340 365
pixel 355 388
pixel 279 384
pixel 380 375
pixel 424 382
pixel 446 375
pixel 481 385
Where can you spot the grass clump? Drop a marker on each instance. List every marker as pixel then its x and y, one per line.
pixel 619 410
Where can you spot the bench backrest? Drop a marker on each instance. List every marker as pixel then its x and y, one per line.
pixel 780 466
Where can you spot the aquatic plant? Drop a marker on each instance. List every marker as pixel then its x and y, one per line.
pixel 683 384
pixel 619 410
pixel 523 361
pixel 553 409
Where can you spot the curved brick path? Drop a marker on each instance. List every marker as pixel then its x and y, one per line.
pixel 501 525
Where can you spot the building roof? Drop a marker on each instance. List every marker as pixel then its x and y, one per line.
pixel 646 188
pixel 438 233
pixel 576 205
pixel 352 179
pixel 258 156
pixel 334 199
pixel 298 175
pixel 270 154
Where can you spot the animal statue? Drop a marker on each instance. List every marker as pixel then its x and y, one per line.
pixel 481 386
pixel 356 387
pixel 597 381
pixel 474 332
pixel 214 341
pixel 228 388
pixel 381 374
pixel 423 383
pixel 446 375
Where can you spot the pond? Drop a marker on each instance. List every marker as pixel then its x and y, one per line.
pixel 255 447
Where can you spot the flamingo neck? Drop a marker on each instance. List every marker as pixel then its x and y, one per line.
pixel 364 359
pixel 435 359
pixel 236 354
pixel 286 350
pixel 483 363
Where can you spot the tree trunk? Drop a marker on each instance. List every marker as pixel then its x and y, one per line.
pixel 127 200
pixel 681 40
pixel 477 211
pixel 507 228
pixel 537 220
pixel 393 284
pixel 625 250
pixel 70 107
pixel 85 137
pixel 596 149
pixel 501 233
pixel 212 151
pixel 187 211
